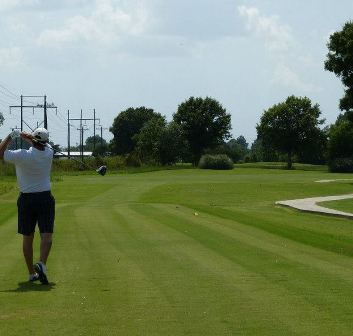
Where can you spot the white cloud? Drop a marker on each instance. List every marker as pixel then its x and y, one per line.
pixel 11 57
pixel 106 24
pixel 12 4
pixel 277 36
pixel 285 76
pixel 282 48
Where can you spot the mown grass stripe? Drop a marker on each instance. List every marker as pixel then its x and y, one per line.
pixel 283 274
pixel 188 299
pixel 264 275
pixel 340 244
pixel 286 248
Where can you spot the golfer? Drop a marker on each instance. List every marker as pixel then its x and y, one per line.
pixel 35 204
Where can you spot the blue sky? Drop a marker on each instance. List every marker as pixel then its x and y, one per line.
pixel 114 54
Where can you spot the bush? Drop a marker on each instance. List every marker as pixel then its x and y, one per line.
pixel 6 187
pixel 133 160
pixel 7 169
pixel 219 161
pixel 112 162
pixel 66 165
pixel 341 165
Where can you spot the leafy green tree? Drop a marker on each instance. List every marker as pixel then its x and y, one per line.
pixel 236 149
pixel 240 140
pixel 290 126
pixel 148 140
pixel 340 62
pixel 340 143
pixel 233 150
pixel 204 123
pixel 128 124
pixel 160 142
pixel 315 152
pixel 94 141
pixel 263 153
pixel 341 139
pixel 100 149
pixel 173 145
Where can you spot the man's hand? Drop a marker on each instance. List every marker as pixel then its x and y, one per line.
pixel 27 136
pixel 15 134
pixel 4 144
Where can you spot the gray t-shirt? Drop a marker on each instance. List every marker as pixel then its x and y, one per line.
pixel 33 168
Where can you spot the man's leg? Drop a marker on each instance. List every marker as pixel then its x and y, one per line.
pixel 46 218
pixel 26 227
pixel 45 246
pixel 40 267
pixel 27 246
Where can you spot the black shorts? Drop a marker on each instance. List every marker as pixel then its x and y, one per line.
pixel 36 208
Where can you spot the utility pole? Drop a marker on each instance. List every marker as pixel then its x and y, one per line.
pixel 81 138
pixel 68 134
pixel 45 113
pixel 101 129
pixel 94 129
pixel 21 117
pixel 81 129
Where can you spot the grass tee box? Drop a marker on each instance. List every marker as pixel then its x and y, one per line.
pixel 184 252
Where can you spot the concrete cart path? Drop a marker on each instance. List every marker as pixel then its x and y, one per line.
pixel 328 181
pixel 309 205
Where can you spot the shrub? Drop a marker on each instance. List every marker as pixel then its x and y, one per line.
pixel 112 162
pixel 6 187
pixel 7 169
pixel 219 161
pixel 133 160
pixel 67 165
pixel 341 165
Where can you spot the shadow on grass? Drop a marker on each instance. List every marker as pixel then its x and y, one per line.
pixel 27 286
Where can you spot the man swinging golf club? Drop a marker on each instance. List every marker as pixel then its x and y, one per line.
pixel 35 203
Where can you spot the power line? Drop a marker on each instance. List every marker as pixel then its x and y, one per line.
pixel 5 102
pixel 10 92
pixel 8 96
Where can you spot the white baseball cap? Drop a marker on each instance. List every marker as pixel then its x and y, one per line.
pixel 41 134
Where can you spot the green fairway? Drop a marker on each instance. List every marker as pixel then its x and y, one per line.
pixel 184 252
pixel 342 205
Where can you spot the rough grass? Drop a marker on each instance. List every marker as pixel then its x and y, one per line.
pixel 282 165
pixel 184 252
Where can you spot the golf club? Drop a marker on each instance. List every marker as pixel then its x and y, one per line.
pixel 100 170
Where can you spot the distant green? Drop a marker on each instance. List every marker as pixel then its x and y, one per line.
pixel 184 252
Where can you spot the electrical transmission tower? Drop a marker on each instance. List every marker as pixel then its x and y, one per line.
pixel 45 106
pixel 81 129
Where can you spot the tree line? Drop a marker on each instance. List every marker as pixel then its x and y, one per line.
pixel 291 131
